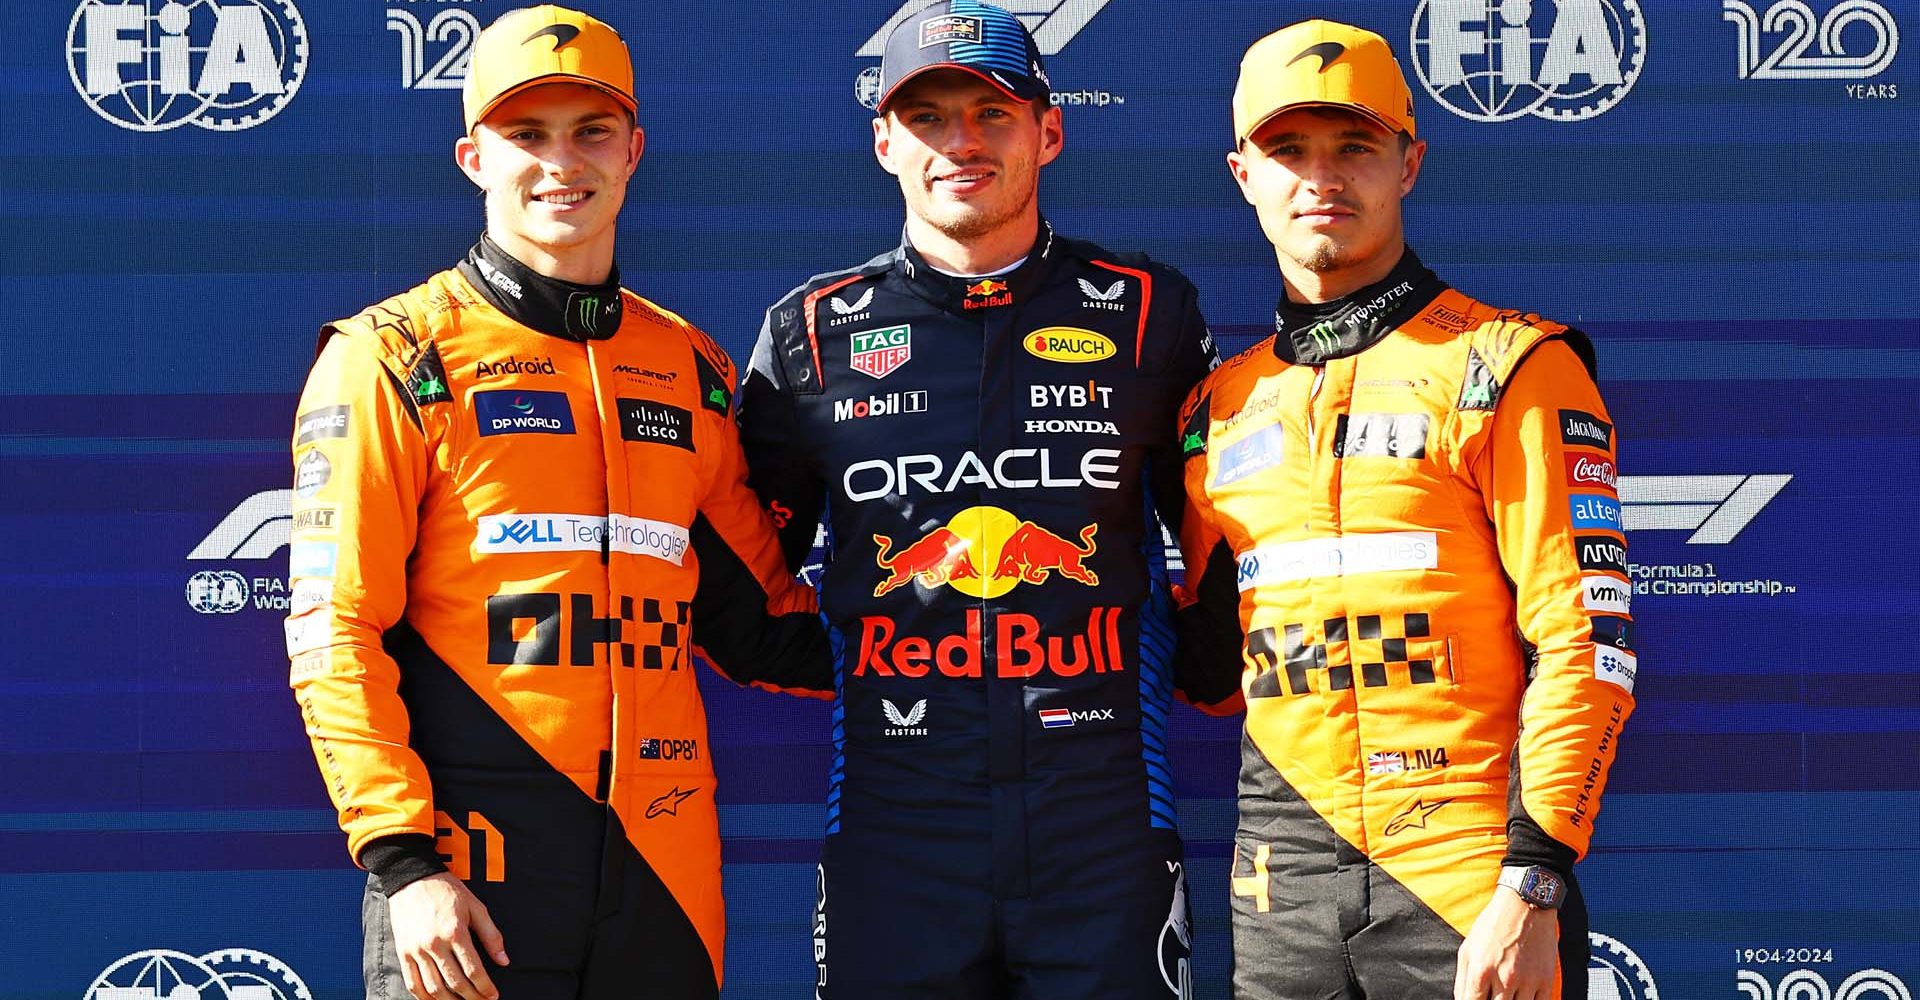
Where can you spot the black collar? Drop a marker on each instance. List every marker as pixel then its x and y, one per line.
pixel 1319 333
pixel 549 305
pixel 977 296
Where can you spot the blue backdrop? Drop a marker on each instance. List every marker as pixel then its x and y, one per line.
pixel 1723 195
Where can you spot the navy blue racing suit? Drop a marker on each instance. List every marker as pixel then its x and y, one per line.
pixel 989 454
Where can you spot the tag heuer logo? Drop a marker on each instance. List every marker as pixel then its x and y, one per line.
pixel 879 352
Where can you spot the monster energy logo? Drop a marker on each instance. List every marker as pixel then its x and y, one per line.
pixel 590 313
pixel 1324 336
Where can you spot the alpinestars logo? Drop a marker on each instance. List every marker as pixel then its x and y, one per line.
pixel 906 723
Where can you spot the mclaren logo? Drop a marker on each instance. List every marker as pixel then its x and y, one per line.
pixel 562 35
pixel 1327 51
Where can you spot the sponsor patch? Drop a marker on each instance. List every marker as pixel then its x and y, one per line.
pixel 1594 511
pixel 1585 430
pixel 1602 552
pixel 879 353
pixel 312 559
pixel 657 423
pixel 1076 396
pixel 1347 555
pixel 950 28
pixel 1586 471
pixel 1604 593
pixel 987 293
pixel 311 473
pixel 1069 344
pixel 325 422
pixel 515 366
pixel 890 404
pixel 522 411
pixel 313 519
pixel 1615 666
pixel 1381 435
pixel 1107 427
pixel 308 632
pixel 309 594
pixel 1611 631
pixel 427 378
pixel 1254 453
pixel 518 533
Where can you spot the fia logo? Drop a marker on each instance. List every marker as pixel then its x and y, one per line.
pixel 1614 972
pixel 1788 59
pixel 229 972
pixel 151 66
pixel 449 34
pixel 1498 60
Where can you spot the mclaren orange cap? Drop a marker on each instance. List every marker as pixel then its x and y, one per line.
pixel 1321 63
pixel 545 44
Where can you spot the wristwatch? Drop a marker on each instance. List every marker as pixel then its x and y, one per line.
pixel 1542 888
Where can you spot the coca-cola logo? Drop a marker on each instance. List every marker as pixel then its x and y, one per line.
pixel 1585 470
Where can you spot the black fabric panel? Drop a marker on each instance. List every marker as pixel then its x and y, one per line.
pixel 1207 667
pixel 570 893
pixel 743 641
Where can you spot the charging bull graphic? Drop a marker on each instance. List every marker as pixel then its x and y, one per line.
pixel 1020 551
pixel 939 557
pixel 1032 552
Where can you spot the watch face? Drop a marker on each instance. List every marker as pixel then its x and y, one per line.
pixel 1541 887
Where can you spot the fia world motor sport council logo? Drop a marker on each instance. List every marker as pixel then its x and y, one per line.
pixel 154 65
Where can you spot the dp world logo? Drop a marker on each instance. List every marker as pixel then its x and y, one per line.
pixel 1497 60
pixel 228 974
pixel 153 65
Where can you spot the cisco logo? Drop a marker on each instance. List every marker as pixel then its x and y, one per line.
pixel 154 65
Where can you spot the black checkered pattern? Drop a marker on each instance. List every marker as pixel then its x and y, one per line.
pixel 1382 656
pixel 663 624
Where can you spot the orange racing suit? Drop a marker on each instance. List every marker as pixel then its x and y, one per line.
pixel 1404 510
pixel 518 504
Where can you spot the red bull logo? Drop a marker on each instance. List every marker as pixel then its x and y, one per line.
pixel 987 292
pixel 1022 648
pixel 1018 551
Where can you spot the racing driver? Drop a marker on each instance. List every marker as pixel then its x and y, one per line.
pixel 1403 512
pixel 520 499
pixel 986 412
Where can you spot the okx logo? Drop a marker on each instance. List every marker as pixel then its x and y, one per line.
pixel 153 65
pixel 1497 60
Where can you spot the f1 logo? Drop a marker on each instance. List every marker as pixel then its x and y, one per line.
pixel 1052 22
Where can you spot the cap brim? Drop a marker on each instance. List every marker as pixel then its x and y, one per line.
pixel 881 105
pixel 1364 112
pixel 625 99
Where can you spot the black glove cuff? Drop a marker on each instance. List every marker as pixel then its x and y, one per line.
pixel 401 859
